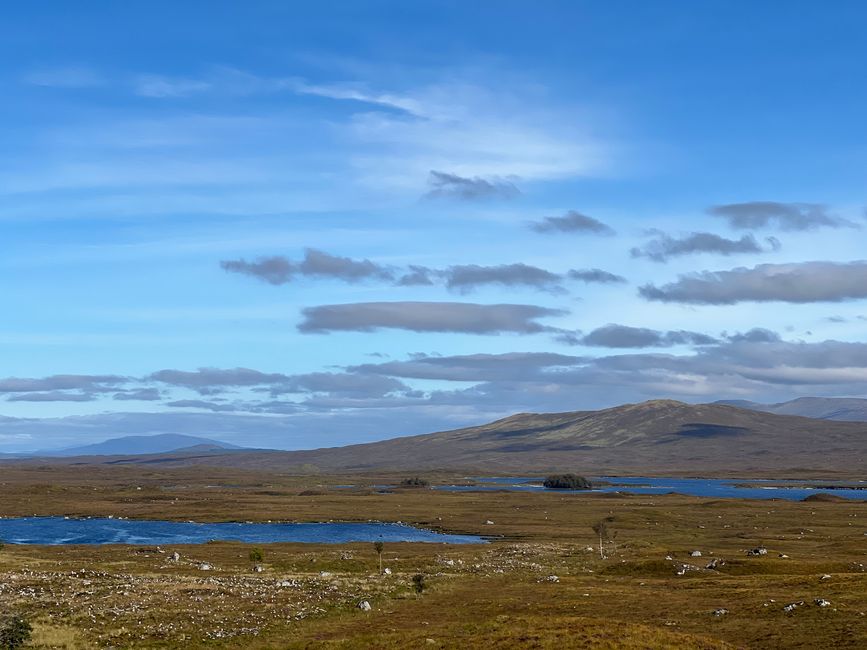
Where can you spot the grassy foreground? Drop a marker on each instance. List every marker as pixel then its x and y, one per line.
pixel 539 584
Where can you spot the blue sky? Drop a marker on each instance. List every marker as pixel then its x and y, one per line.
pixel 303 225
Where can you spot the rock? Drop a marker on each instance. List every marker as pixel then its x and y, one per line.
pixel 821 602
pixel 715 563
pixel 489 522
pixel 387 571
pixel 258 568
pixel 204 566
pixel 760 550
pixel 783 556
pixel 792 606
pixel 364 606
pixel 590 548
pixel 825 576
pixel 175 557
pixel 287 583
pixel 552 578
pixel 695 553
pixel 722 611
pixel 324 574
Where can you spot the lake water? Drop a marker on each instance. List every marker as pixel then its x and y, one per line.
pixel 701 487
pixel 60 530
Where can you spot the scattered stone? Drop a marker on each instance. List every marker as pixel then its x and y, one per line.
pixel 364 606
pixel 792 606
pixel 783 556
pixel 387 571
pixel 489 522
pixel 715 563
pixel 324 574
pixel 722 611
pixel 552 578
pixel 258 568
pixel 821 602
pixel 825 576
pixel 175 557
pixel 760 550
pixel 695 553
pixel 204 566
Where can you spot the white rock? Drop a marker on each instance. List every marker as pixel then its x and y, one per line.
pixel 695 554
pixel 821 602
pixel 722 611
pixel 552 578
pixel 204 566
pixel 364 606
pixel 825 576
pixel 387 571
pixel 489 522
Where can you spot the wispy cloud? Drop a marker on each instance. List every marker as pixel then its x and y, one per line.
pixel 452 186
pixel 572 222
pixel 664 246
pixel 784 216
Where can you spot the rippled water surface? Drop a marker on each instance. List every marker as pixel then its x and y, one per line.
pixel 702 487
pixel 60 530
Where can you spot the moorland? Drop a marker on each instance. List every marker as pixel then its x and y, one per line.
pixel 540 582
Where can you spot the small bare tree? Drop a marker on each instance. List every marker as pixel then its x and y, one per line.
pixel 378 547
pixel 601 529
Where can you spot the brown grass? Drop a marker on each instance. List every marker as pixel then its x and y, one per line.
pixel 491 596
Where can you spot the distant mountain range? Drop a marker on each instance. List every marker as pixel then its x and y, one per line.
pixel 657 436
pixel 849 409
pixel 135 445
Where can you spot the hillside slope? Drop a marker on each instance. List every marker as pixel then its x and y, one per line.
pixel 845 409
pixel 657 436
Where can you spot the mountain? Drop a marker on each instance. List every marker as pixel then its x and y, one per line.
pixel 136 445
pixel 848 409
pixel 657 436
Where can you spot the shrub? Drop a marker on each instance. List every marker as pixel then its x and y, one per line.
pixel 257 555
pixel 14 632
pixel 418 583
pixel 414 482
pixel 567 482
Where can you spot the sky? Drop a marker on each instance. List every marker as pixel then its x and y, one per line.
pixel 300 225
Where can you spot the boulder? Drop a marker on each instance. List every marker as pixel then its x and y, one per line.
pixel 759 550
pixel 722 611
pixel 364 606
pixel 695 553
